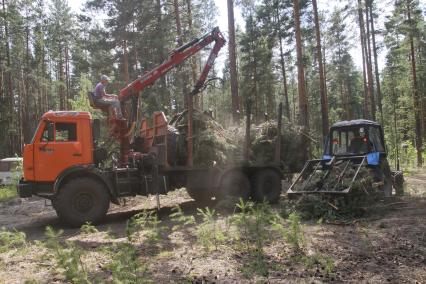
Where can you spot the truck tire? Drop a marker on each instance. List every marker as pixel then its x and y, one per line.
pixel 197 186
pixel 234 184
pixel 82 200
pixel 266 186
pixel 200 195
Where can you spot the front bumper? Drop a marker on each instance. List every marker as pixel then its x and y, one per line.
pixel 25 189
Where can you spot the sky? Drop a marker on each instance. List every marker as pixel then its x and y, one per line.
pixel 329 5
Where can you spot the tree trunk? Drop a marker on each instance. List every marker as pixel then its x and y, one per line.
pixel 303 102
pixel 364 60
pixel 416 99
pixel 283 68
pixel 184 77
pixel 283 71
pixel 197 98
pixel 369 64
pixel 324 100
pixel 126 77
pixel 376 65
pixel 233 63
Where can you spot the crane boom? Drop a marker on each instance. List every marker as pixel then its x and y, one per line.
pixel 178 56
pixel 121 129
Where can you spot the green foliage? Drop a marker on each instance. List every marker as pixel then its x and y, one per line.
pixel 68 257
pixel 209 233
pixel 81 101
pixel 125 266
pixel 88 229
pixel 253 232
pixel 294 235
pixel 7 193
pixel 11 240
pixel 145 224
pixel 180 219
pixel 318 259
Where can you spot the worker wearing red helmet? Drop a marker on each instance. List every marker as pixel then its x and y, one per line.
pixel 103 99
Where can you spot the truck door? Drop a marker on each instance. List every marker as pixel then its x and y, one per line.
pixel 57 149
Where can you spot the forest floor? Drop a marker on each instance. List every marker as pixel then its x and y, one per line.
pixel 389 246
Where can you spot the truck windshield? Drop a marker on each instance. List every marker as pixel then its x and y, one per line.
pixel 35 133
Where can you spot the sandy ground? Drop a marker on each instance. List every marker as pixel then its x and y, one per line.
pixel 389 248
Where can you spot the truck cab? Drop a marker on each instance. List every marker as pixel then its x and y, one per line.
pixel 62 139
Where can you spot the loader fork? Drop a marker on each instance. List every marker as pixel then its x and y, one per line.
pixel 325 184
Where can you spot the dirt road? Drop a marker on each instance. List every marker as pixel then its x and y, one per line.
pixel 390 247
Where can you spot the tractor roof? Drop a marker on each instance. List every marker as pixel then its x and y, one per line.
pixel 356 122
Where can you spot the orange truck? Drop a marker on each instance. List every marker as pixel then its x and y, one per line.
pixel 63 162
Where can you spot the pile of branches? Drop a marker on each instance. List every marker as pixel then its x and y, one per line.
pixel 362 198
pixel 214 145
pixel 263 145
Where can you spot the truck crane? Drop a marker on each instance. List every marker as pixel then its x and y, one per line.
pixel 63 162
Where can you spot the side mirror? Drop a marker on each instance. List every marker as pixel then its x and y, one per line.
pixel 96 128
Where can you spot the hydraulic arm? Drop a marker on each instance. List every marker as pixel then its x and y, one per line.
pixel 121 129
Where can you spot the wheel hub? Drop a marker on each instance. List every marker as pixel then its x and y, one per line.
pixel 83 202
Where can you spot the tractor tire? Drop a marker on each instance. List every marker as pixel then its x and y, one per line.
pixel 398 183
pixel 266 186
pixel 386 176
pixel 234 185
pixel 82 200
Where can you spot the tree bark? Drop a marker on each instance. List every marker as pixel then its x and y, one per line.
pixel 197 98
pixel 184 76
pixel 233 63
pixel 323 94
pixel 283 71
pixel 364 60
pixel 376 65
pixel 416 99
pixel 283 68
pixel 369 64
pixel 303 102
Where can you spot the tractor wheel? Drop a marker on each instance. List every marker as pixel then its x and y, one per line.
pixel 234 184
pixel 266 186
pixel 82 200
pixel 386 176
pixel 398 183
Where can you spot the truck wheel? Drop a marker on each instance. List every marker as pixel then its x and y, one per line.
pixel 197 186
pixel 234 184
pixel 82 200
pixel 201 195
pixel 266 186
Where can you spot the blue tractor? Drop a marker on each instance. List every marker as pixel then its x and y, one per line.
pixel 354 154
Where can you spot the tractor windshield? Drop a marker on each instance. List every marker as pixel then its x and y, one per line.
pixel 354 140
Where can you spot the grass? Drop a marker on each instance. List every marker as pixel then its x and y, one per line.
pixel 7 193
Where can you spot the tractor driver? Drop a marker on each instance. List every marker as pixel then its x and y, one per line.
pixel 101 98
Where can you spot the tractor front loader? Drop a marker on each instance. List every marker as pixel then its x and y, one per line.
pixel 355 157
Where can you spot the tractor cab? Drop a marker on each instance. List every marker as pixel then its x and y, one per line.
pixel 350 147
pixel 355 138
